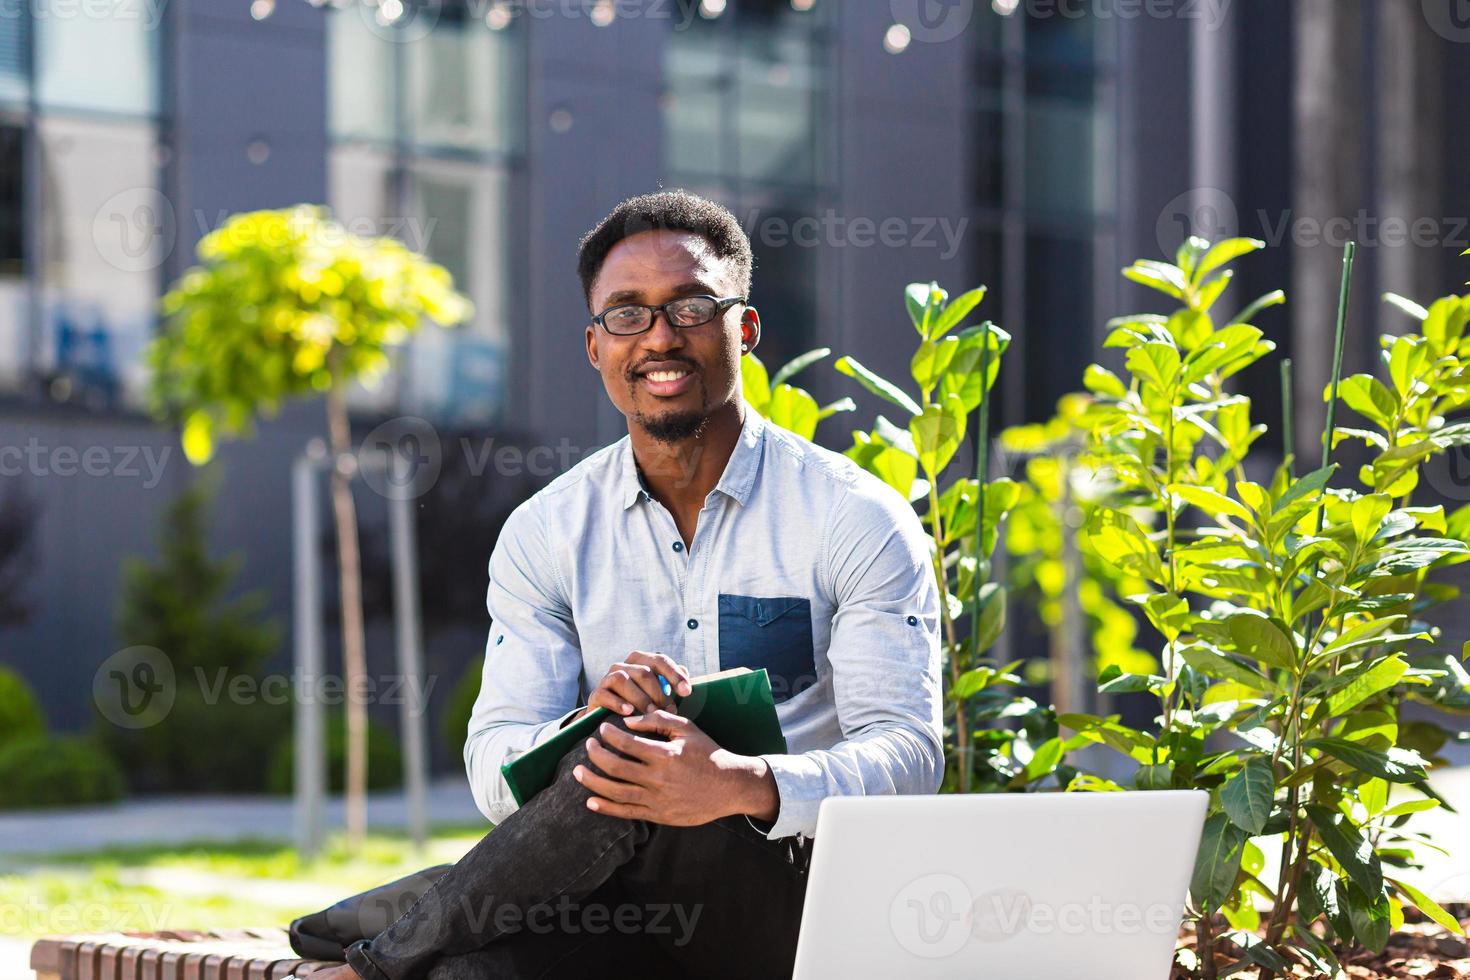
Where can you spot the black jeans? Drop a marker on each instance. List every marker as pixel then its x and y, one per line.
pixel 559 890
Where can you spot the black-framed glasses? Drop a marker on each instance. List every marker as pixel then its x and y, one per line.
pixel 686 311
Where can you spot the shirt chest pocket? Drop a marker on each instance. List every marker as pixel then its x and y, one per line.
pixel 771 632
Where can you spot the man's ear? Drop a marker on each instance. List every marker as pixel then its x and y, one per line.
pixel 750 329
pixel 592 346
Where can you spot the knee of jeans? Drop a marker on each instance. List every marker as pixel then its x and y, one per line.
pixel 463 966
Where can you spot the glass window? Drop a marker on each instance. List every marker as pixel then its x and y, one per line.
pixel 462 90
pixel 743 93
pixel 776 92
pixel 105 233
pixel 97 63
pixel 360 84
pixel 424 124
pixel 15 84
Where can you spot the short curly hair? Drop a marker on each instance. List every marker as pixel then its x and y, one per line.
pixel 672 210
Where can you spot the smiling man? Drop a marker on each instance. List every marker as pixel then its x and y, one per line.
pixel 704 540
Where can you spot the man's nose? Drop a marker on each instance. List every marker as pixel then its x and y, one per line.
pixel 662 335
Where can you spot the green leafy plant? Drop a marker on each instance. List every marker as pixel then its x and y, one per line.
pixel 953 369
pixel 1072 592
pixel 785 404
pixel 56 770
pixel 1291 613
pixel 284 304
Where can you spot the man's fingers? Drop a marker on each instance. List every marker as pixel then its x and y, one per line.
pixel 676 674
pixel 662 722
pixel 612 789
pixel 642 749
pixel 626 685
pixel 605 697
pixel 624 810
pixel 613 764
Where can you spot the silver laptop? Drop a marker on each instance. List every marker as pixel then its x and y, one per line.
pixel 1081 886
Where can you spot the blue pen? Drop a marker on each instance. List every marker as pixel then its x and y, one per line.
pixel 663 682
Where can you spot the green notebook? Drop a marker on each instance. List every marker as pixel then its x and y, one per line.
pixel 733 707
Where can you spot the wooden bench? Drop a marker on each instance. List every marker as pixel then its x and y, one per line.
pixel 237 954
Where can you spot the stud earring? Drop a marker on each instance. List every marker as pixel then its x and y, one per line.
pixel 745 347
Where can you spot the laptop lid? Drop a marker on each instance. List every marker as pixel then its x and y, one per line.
pixel 1035 885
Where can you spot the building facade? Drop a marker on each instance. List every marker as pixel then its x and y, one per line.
pixel 1036 147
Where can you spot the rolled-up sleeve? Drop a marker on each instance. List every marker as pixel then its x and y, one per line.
pixel 885 662
pixel 533 660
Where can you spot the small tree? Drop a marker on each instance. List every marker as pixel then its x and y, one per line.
pixel 179 602
pixel 284 304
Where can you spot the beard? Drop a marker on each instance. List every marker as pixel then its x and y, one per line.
pixel 672 427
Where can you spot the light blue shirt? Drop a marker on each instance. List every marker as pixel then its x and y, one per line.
pixel 801 562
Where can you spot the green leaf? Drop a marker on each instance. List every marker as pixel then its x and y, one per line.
pixel 1247 795
pixel 956 311
pixel 1213 503
pixel 1263 639
pixel 754 383
pixel 1428 906
pixel 1156 363
pixel 1274 298
pixel 1370 914
pixel 198 437
pixel 1101 381
pixel 1396 766
pixel 1405 305
pixel 794 410
pixel 1352 849
pixel 799 363
pixel 938 431
pixel 1218 862
pixel 1366 680
pixel 879 386
pixel 1217 665
pixel 1226 251
pixel 1156 275
pixel 1369 397
pixel 918 299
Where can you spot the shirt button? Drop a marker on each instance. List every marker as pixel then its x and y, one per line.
pixel 678 546
pixel 694 624
pixel 913 620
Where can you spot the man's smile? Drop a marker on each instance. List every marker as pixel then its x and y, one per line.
pixel 666 379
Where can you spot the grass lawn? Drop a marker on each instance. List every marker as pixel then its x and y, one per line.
pixel 202 886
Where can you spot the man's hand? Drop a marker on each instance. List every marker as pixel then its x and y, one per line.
pixel 631 687
pixel 683 782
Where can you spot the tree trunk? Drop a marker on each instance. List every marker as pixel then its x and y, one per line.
pixel 354 647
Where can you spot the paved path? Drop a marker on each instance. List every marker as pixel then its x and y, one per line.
pixel 156 820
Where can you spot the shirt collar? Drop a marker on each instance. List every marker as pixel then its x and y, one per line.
pixel 740 471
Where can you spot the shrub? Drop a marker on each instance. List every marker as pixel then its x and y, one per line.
pixel 384 759
pixel 48 770
pixel 20 714
pixel 209 741
pixel 1291 613
pixel 455 722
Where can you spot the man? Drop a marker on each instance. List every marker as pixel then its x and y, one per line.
pixel 704 540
